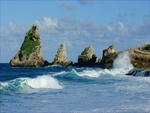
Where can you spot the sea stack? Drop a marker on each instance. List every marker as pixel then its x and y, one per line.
pixel 61 56
pixel 109 55
pixel 87 57
pixel 30 53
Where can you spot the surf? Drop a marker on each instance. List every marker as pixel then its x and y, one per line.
pixel 19 85
pixel 121 66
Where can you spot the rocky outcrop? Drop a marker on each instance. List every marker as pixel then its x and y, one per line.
pixel 140 57
pixel 109 55
pixel 108 51
pixel 138 72
pixel 61 56
pixel 30 53
pixel 87 58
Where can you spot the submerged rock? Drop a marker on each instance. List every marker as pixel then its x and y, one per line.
pixel 137 72
pixel 30 53
pixel 61 56
pixel 87 57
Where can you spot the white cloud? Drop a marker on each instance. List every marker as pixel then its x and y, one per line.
pixel 85 1
pixel 76 34
pixel 66 5
pixel 109 27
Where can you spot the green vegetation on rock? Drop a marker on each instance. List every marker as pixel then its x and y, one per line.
pixel 29 46
pixel 87 50
pixel 147 47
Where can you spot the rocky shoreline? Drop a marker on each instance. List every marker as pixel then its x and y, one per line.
pixel 139 72
pixel 30 55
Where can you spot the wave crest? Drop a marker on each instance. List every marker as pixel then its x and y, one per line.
pixel 30 84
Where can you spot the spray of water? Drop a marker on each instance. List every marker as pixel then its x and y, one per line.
pixel 121 66
pixel 123 61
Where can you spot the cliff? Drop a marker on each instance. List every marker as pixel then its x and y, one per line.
pixel 30 53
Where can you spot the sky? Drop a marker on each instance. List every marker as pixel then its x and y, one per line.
pixel 76 23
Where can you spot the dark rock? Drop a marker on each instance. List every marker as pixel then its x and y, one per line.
pixel 87 57
pixel 109 55
pixel 139 72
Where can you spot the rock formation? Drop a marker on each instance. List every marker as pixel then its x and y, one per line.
pixel 139 72
pixel 30 53
pixel 61 56
pixel 109 55
pixel 87 57
pixel 140 57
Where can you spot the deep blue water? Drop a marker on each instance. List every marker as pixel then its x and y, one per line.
pixel 77 90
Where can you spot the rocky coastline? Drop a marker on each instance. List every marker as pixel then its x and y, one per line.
pixel 30 55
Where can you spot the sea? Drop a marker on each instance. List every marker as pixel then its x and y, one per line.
pixel 56 89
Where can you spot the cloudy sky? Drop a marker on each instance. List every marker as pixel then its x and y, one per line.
pixel 77 23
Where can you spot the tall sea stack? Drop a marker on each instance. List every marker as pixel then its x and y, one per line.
pixel 30 53
pixel 61 56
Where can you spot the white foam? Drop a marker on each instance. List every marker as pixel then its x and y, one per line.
pixel 59 73
pixel 123 61
pixel 43 82
pixel 89 73
pixel 120 67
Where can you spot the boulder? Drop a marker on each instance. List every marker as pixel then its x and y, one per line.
pixel 61 56
pixel 87 57
pixel 30 53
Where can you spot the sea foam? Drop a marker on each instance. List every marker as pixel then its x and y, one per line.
pixel 121 66
pixel 30 85
pixel 43 82
pixel 123 61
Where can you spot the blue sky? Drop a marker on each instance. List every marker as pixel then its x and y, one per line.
pixel 77 23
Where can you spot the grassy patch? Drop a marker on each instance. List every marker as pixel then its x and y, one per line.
pixel 29 46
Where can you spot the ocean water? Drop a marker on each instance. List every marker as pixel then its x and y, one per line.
pixel 55 89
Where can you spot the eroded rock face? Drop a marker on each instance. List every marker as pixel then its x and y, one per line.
pixel 140 57
pixel 30 53
pixel 109 55
pixel 108 51
pixel 87 57
pixel 61 56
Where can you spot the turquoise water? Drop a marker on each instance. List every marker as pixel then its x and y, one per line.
pixel 57 89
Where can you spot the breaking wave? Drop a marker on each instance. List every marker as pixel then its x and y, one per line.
pixel 123 61
pixel 121 66
pixel 30 84
pixel 50 81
